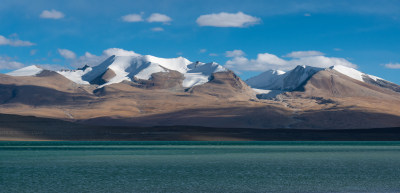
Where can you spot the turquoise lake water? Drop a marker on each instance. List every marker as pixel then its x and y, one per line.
pixel 199 167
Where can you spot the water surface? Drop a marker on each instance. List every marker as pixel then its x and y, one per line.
pixel 199 166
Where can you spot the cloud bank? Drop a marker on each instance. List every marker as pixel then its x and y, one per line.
pixel 267 61
pixel 301 54
pixel 14 42
pixel 7 63
pixel 93 60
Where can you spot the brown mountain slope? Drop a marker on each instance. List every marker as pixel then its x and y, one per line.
pixel 330 83
pixel 163 93
pixel 332 100
pixel 225 85
pixel 333 86
pixel 46 89
pixel 48 79
pixel 328 100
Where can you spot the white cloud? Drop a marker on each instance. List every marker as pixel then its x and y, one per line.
pixel 203 50
pixel 300 54
pixel 224 19
pixel 267 61
pixel 93 60
pixel 119 52
pixel 157 29
pixel 67 54
pixel 307 14
pixel 14 42
pixel 132 18
pixel 7 63
pixel 53 67
pixel 337 49
pixel 213 54
pixel 157 17
pixel 52 14
pixel 270 59
pixel 234 53
pixel 88 59
pixel 393 65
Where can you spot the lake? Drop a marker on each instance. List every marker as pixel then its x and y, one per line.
pixel 199 166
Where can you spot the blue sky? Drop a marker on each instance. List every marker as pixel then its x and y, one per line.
pixel 247 36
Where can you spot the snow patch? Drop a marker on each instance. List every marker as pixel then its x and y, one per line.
pixel 267 94
pixel 350 72
pixel 192 79
pixel 75 75
pixel 353 73
pixel 32 70
pixel 178 64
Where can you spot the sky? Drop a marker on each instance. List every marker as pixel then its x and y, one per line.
pixel 248 37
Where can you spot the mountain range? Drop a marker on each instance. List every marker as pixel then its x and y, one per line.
pixel 147 91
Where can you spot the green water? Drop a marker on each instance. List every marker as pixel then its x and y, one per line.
pixel 199 167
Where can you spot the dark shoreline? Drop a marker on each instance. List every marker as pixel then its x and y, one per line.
pixel 27 128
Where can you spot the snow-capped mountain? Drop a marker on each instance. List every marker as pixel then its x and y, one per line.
pixel 266 79
pixel 288 81
pixel 116 69
pixel 159 92
pixel 280 80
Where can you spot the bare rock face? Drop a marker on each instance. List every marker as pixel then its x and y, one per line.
pixel 170 80
pixel 47 73
pixel 103 78
pixel 225 85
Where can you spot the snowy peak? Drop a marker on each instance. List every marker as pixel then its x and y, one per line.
pixel 298 76
pixel 265 79
pixel 284 81
pixel 32 70
pixel 178 64
pixel 116 69
pixel 273 80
